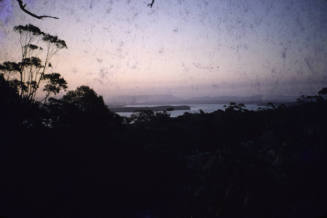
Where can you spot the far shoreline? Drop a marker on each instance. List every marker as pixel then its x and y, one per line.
pixel 154 108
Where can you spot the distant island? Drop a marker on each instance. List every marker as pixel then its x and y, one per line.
pixel 154 108
pixel 117 101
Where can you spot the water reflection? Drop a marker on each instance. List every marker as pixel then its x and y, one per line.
pixel 195 108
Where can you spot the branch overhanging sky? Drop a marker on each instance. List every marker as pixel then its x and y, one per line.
pixel 182 47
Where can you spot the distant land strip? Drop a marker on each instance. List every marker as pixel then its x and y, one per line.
pixel 157 108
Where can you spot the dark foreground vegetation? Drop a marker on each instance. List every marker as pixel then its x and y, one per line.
pixel 73 157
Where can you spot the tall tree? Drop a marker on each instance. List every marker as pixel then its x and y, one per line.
pixel 31 72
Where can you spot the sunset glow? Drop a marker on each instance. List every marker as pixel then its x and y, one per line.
pixel 183 48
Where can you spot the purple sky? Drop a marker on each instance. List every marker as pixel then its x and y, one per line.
pixel 183 47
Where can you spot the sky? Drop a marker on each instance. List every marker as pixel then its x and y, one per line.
pixel 185 48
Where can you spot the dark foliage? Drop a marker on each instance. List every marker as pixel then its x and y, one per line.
pixel 73 156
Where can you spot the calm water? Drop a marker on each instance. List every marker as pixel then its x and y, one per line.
pixel 195 108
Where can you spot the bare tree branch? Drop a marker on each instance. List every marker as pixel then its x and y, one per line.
pixel 23 8
pixel 151 4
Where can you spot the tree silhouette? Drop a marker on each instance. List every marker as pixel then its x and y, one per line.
pixel 80 107
pixel 85 98
pixel 31 72
pixel 235 107
pixel 8 93
pixel 54 85
pixel 323 91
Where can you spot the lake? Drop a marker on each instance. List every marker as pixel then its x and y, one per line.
pixel 195 108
